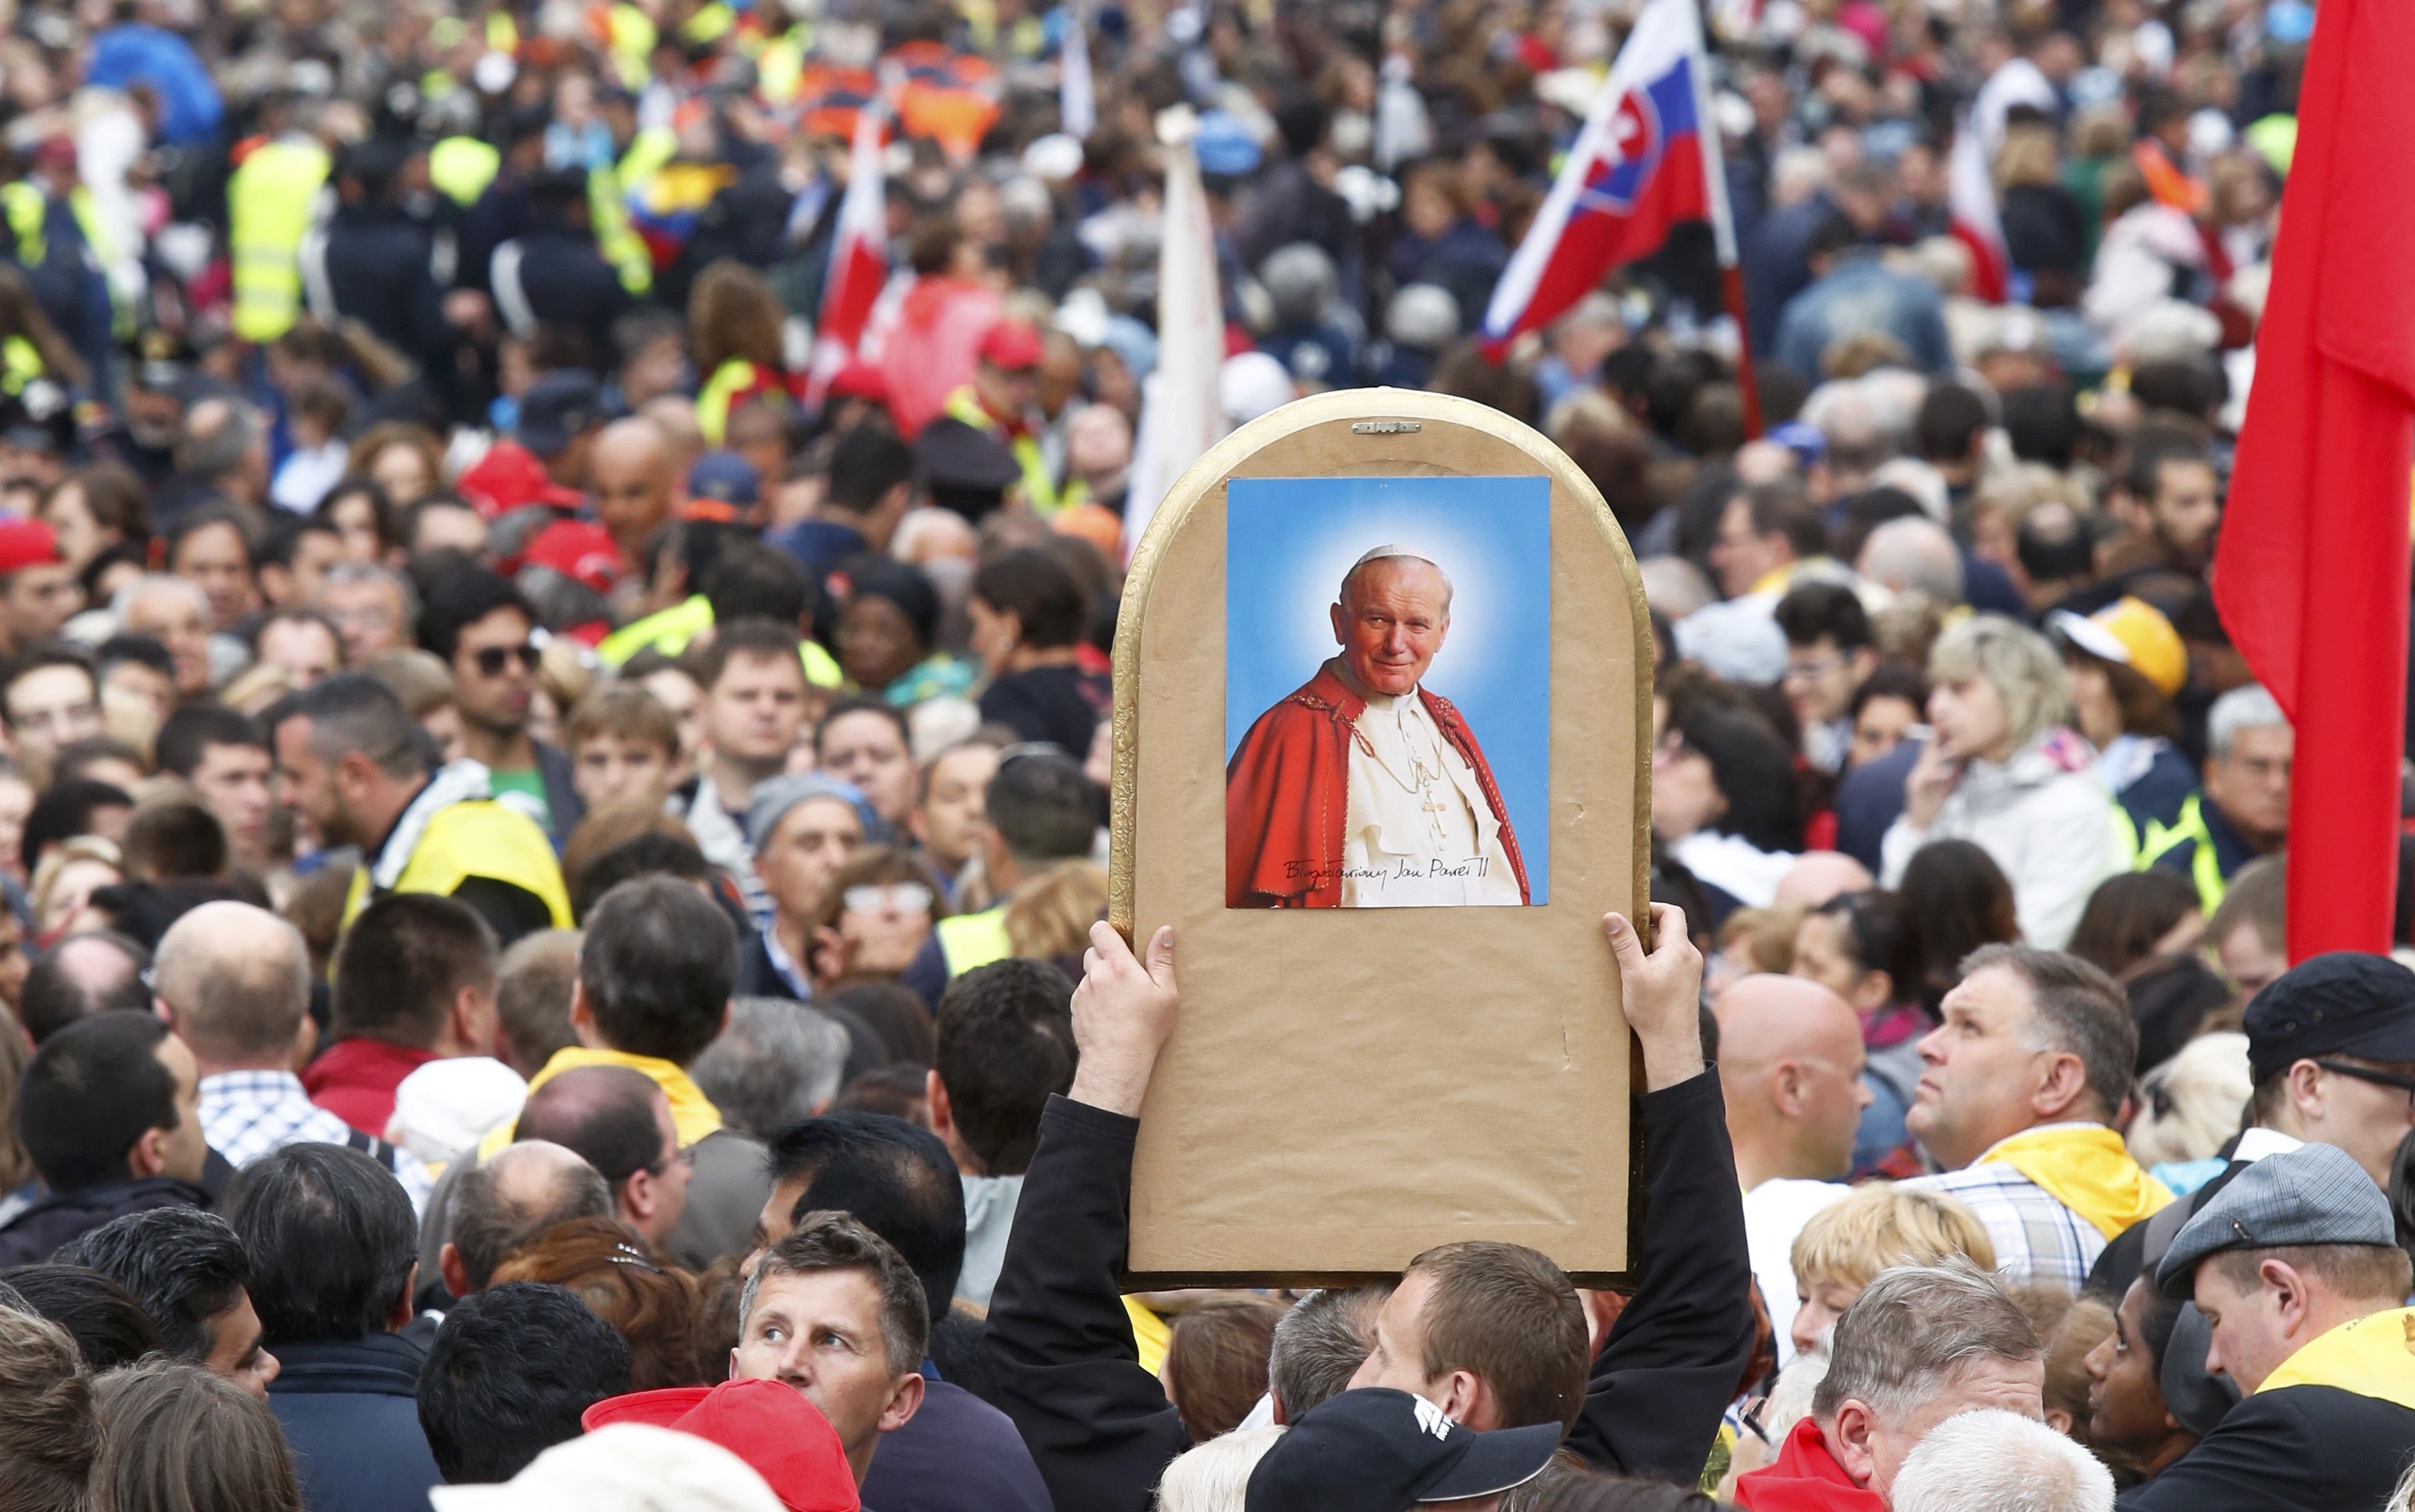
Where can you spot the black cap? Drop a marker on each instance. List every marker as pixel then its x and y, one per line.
pixel 1379 1450
pixel 557 406
pixel 2340 1003
pixel 967 470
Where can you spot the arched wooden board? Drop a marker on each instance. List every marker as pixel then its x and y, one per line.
pixel 1347 1088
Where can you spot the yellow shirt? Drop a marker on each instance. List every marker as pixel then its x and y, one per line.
pixel 691 1113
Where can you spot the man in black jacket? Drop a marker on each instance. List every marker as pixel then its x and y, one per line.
pixel 2297 1268
pixel 110 1111
pixel 328 1235
pixel 1100 1425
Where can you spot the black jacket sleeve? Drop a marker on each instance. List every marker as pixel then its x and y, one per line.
pixel 1676 1355
pixel 1097 1423
pixel 2309 1448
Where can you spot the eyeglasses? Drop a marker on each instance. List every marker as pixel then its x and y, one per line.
pixel 870 897
pixel 1817 667
pixel 491 659
pixel 2378 1078
pixel 1031 748
pixel 74 716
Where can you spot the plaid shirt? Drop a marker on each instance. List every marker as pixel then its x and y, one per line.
pixel 249 1114
pixel 2036 1237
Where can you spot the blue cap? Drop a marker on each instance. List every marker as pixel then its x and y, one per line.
pixel 2289 22
pixel 723 475
pixel 1225 147
pixel 1807 442
pixel 558 405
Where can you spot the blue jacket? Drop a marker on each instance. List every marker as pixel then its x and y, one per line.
pixel 350 1410
pixel 957 1454
pixel 1862 293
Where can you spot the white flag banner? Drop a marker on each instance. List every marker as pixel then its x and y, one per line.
pixel 1179 414
pixel 1077 102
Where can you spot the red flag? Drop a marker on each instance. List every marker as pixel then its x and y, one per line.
pixel 859 259
pixel 2311 575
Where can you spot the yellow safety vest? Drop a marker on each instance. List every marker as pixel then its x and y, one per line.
pixel 1039 488
pixel 476 838
pixel 462 167
pixel 27 211
pixel 970 940
pixel 20 364
pixel 622 246
pixel 269 205
pixel 86 211
pixel 669 631
pixel 2205 869
pixel 727 382
pixel 631 37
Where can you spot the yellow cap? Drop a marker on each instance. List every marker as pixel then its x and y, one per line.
pixel 2135 634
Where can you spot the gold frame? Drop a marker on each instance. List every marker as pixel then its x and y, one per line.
pixel 1360 422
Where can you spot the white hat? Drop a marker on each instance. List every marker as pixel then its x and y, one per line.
pixel 1252 383
pixel 451 1105
pixel 625 1468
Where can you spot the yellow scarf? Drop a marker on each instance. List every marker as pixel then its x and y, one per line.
pixel 692 1112
pixel 2372 1356
pixel 2084 1167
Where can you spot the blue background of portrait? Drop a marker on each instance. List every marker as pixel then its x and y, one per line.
pixel 1287 544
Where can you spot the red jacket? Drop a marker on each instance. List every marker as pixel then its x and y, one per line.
pixel 355 1080
pixel 1287 797
pixel 1805 1477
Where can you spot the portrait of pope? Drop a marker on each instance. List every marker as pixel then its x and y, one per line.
pixel 1365 789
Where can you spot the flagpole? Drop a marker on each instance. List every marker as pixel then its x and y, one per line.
pixel 1732 292
pixel 1723 238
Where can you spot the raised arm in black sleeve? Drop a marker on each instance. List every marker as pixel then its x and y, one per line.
pixel 1097 1423
pixel 1674 1359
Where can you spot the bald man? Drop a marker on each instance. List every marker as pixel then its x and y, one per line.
pixel 1818 876
pixel 233 982
pixel 636 484
pixel 1363 788
pixel 618 1121
pixel 500 1204
pixel 1791 1071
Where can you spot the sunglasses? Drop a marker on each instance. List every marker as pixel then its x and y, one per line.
pixel 2378 1078
pixel 870 897
pixel 491 660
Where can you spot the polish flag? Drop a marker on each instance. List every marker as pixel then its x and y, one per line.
pixel 858 262
pixel 1970 203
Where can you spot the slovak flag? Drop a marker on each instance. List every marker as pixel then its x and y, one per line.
pixel 1647 159
pixel 859 259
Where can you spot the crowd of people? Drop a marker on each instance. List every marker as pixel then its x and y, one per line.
pixel 551 817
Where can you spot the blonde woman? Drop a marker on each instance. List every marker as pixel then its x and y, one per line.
pixel 2000 771
pixel 1050 915
pixel 1846 1244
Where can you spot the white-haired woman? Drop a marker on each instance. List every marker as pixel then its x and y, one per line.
pixel 1999 772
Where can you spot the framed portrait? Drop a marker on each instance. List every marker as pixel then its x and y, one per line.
pixel 1388 693
pixel 1381 757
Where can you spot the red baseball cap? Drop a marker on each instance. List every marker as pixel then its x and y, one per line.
pixel 1013 345
pixel 580 550
pixel 783 1437
pixel 26 543
pixel 860 381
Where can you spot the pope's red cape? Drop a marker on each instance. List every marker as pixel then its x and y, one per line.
pixel 1287 797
